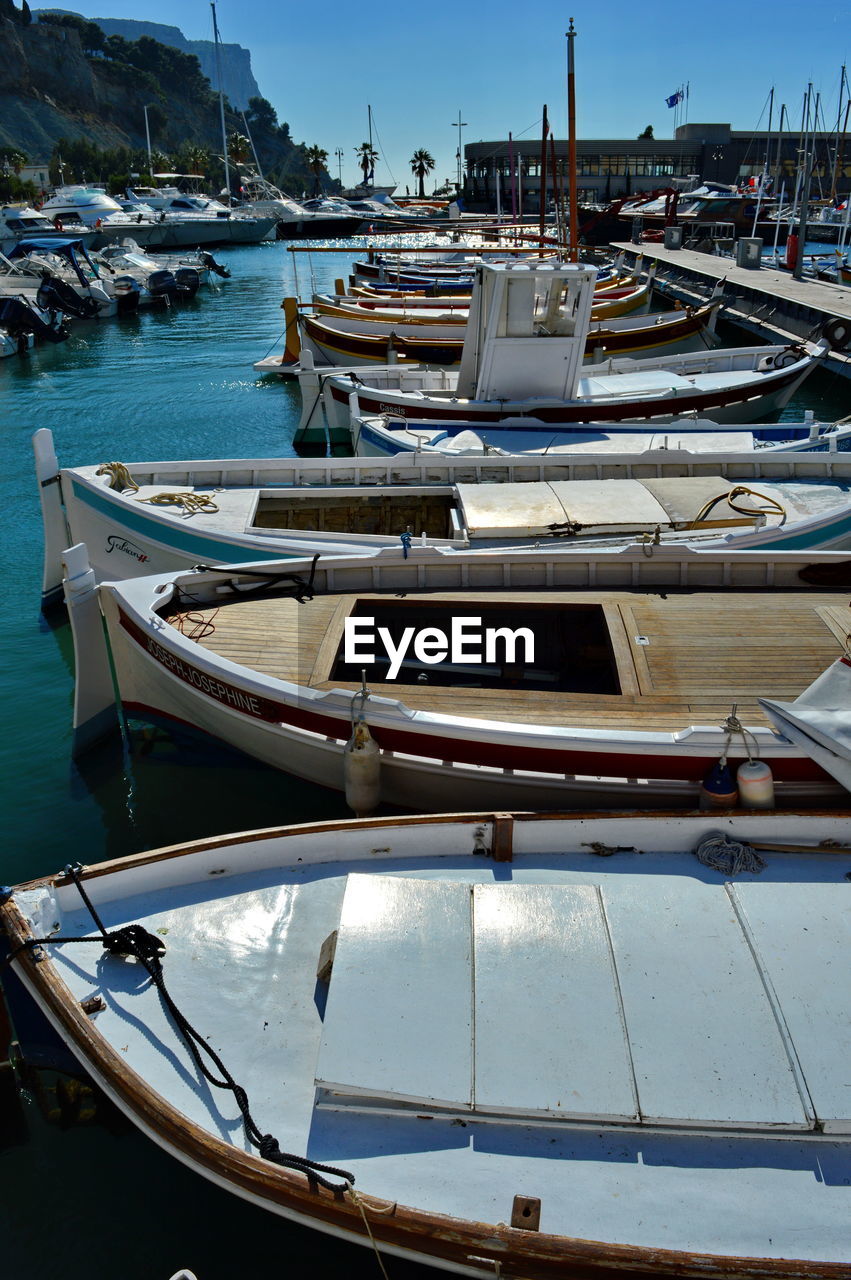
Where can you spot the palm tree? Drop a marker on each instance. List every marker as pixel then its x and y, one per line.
pixel 197 158
pixel 239 148
pixel 317 159
pixel 367 156
pixel 422 163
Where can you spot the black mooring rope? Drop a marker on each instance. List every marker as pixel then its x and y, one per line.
pixel 135 940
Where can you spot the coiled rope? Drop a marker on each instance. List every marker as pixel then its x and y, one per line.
pixel 729 856
pixel 740 491
pixel 122 481
pixel 120 477
pixel 192 503
pixel 134 940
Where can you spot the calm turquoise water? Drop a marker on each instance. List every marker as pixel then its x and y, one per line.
pixel 87 1201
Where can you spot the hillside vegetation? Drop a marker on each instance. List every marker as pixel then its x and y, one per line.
pixel 70 92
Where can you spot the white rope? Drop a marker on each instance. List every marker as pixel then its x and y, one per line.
pixel 361 1204
pixel 733 725
pixel 732 857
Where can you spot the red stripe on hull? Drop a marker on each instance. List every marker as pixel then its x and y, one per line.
pixel 370 402
pixel 586 761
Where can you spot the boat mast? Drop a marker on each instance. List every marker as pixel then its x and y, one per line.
pixel 221 99
pixel 573 237
pixel 253 148
pixel 542 213
pixel 840 134
pixel 371 161
pixel 763 180
pixel 808 164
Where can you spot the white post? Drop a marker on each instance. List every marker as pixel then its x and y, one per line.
pixel 52 516
pixel 95 714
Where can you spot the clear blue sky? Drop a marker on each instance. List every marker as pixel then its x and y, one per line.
pixel 418 64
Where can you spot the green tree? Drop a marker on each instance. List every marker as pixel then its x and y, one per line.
pixel 160 162
pixel 26 14
pixel 648 133
pixel 422 163
pixel 367 157
pixel 317 159
pixel 11 158
pixel 261 115
pixel 239 148
pixel 195 158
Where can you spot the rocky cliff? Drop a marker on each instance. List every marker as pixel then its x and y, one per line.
pixel 237 77
pixel 50 88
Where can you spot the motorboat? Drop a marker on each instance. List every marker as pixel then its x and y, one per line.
pixel 295 221
pixel 22 223
pixel 490 1043
pixel 78 203
pixel 23 323
pixel 62 276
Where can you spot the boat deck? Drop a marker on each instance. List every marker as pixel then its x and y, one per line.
pixel 677 657
pixel 670 1100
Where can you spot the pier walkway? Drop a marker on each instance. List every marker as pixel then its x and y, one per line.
pixel 767 302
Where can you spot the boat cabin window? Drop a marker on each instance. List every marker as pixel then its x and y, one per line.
pixel 570 648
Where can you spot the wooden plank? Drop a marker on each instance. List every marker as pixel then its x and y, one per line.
pixel 801 934
pixel 330 642
pixel 705 1044
pixel 549 1033
pixel 398 1020
pixel 705 651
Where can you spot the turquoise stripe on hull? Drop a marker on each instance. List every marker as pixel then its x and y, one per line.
pixel 175 539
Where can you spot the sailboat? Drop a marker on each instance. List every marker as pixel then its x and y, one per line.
pixel 368 187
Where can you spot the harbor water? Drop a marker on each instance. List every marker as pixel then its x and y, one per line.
pixel 96 1199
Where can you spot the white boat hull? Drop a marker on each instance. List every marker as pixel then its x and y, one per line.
pixel 736 1162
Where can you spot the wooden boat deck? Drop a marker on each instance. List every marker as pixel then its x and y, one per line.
pixel 681 657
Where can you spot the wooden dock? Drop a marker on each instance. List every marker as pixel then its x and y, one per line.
pixel 768 303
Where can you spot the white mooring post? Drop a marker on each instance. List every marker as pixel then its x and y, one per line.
pixel 52 516
pixel 95 712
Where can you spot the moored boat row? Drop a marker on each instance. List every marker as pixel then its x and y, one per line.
pixel 597 621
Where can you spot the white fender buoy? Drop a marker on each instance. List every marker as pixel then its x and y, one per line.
pixel 362 771
pixel 756 785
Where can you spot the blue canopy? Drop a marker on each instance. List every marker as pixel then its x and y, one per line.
pixel 68 248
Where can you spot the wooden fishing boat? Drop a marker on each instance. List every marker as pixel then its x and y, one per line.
pixel 417 309
pixel 140 518
pixel 347 340
pixel 385 435
pixel 593 676
pixel 506 1044
pixel 523 353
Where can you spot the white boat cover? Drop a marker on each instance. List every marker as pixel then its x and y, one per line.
pixel 819 720
pixel 538 508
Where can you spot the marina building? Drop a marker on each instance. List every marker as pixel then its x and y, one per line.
pixel 612 167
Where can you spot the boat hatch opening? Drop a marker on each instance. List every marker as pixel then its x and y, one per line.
pixel 361 513
pixel 570 648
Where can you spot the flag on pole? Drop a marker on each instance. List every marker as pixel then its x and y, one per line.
pixel 674 98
